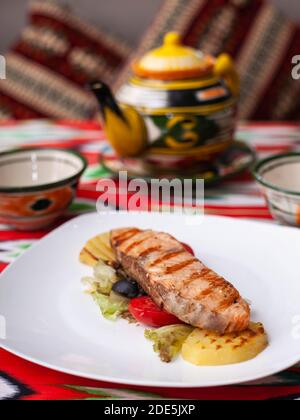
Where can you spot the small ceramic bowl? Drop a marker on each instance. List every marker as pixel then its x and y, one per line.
pixel 279 177
pixel 37 186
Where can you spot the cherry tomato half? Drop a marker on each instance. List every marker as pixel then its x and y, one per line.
pixel 188 249
pixel 145 311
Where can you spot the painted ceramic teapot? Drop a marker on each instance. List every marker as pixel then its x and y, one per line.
pixel 180 104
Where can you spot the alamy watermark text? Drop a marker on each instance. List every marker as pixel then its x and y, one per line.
pixel 296 68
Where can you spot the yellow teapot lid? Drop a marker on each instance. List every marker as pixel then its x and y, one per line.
pixel 174 61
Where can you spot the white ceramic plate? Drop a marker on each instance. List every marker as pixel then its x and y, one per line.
pixel 50 321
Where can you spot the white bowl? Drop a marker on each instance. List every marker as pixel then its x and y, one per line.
pixel 37 185
pixel 279 177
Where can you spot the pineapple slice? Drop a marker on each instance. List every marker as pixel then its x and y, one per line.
pixel 205 348
pixel 97 249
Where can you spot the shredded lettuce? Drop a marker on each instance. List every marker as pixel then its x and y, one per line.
pixel 89 284
pixel 100 286
pixel 168 340
pixel 111 306
pixel 103 280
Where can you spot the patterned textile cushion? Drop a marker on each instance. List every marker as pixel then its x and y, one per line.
pixel 259 37
pixel 50 64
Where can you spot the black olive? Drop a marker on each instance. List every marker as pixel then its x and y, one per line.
pixel 127 288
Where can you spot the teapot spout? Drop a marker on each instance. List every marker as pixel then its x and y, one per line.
pixel 105 99
pixel 124 127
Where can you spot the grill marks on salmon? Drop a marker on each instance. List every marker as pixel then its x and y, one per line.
pixel 180 266
pixel 125 235
pixel 178 282
pixel 149 251
pixel 165 257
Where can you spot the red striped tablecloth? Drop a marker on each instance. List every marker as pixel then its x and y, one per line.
pixel 239 197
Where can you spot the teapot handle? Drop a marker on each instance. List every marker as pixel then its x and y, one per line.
pixel 225 68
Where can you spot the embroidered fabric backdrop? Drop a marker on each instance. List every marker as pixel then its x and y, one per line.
pixel 57 53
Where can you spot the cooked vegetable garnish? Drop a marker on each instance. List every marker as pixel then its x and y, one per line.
pixel 206 348
pixel 111 306
pixel 168 340
pixel 97 249
pixel 145 311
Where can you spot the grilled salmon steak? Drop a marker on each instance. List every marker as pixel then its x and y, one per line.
pixel 178 282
